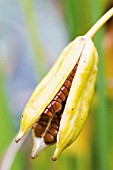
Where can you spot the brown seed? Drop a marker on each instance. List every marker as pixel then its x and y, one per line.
pixel 68 84
pixel 38 130
pixel 61 95
pixel 44 117
pixel 53 132
pixel 65 90
pixel 72 73
pixel 50 108
pixel 55 126
pixel 75 68
pixel 70 78
pixel 47 112
pixel 57 121
pixel 57 98
pixel 34 125
pixel 43 123
pixel 56 106
pixel 48 138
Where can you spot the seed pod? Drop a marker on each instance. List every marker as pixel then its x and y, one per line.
pixel 69 80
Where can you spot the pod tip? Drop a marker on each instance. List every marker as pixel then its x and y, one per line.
pixel 19 136
pixel 54 158
pixel 38 146
pixel 33 157
pixel 56 154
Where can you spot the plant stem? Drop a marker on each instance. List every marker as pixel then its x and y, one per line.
pixel 100 23
pixel 10 154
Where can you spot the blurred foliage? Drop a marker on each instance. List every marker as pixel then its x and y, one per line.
pixel 6 125
pixel 93 149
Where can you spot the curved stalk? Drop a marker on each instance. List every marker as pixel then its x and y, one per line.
pixel 10 154
pixel 100 23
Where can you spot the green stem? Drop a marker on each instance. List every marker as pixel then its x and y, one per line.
pixel 100 23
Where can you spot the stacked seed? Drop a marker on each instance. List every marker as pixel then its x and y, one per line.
pixel 51 133
pixel 56 106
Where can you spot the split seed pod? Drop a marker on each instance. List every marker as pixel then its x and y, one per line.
pixel 63 97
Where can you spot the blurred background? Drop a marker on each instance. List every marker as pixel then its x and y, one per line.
pixel 32 35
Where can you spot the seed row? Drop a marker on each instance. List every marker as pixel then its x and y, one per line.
pixel 56 106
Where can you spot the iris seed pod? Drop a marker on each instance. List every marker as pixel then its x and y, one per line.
pixel 70 76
